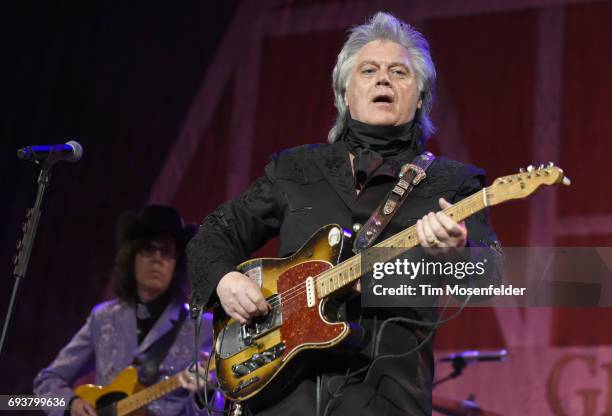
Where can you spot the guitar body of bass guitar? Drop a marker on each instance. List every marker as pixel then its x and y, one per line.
pixel 104 398
pixel 248 357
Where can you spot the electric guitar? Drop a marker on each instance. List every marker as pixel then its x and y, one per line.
pixel 248 357
pixel 125 395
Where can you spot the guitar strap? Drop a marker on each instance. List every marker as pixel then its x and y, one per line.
pixel 410 175
pixel 156 353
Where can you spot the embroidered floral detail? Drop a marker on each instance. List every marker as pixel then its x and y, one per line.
pixel 335 161
pixel 180 351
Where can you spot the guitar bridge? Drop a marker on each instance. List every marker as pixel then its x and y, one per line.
pixel 236 337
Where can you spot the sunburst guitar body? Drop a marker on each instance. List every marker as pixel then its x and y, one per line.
pixel 247 357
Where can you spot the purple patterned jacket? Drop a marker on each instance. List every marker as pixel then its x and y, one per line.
pixel 108 343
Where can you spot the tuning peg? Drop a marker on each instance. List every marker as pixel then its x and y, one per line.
pixel 530 168
pixel 538 172
pixel 566 181
pixel 551 164
pixel 522 170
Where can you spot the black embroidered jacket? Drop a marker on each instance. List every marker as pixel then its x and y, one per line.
pixel 310 186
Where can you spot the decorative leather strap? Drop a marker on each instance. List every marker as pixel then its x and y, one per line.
pixel 411 174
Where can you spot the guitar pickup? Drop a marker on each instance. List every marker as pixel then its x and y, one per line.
pixel 311 298
pixel 258 360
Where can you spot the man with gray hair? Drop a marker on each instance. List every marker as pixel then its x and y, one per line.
pixel 383 87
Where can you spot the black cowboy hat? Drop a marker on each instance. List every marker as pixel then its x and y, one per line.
pixel 152 222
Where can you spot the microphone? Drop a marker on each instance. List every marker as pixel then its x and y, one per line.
pixel 474 356
pixel 71 152
pixel 460 360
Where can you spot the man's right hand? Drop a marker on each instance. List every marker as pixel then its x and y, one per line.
pixel 241 298
pixel 79 407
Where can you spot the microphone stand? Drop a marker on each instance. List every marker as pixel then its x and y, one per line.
pixel 24 246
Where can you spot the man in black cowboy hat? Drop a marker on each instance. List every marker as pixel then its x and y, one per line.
pixel 145 326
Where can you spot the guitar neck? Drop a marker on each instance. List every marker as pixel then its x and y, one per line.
pixel 146 396
pixel 345 273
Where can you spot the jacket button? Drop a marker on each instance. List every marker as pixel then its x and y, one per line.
pixel 356 227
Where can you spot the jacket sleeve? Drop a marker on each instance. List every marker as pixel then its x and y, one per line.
pixel 230 234
pixel 72 362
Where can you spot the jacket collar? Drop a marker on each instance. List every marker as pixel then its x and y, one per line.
pixel 333 161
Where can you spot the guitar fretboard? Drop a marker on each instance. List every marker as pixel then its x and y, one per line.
pixel 350 270
pixel 146 396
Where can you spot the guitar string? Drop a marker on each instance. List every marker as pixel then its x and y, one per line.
pixel 295 292
pixel 132 402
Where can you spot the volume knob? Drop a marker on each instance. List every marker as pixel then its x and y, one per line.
pixel 260 359
pixel 240 370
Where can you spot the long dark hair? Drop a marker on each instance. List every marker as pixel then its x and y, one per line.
pixel 124 280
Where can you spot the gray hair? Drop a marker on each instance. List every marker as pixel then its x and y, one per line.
pixel 384 26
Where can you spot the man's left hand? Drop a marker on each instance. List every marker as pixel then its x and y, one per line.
pixel 439 230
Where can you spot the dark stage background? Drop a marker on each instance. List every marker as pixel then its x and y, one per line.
pixel 183 102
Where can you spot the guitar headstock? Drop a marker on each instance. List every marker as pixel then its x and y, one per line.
pixel 524 183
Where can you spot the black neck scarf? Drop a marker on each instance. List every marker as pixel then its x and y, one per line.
pixel 148 313
pixel 374 145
